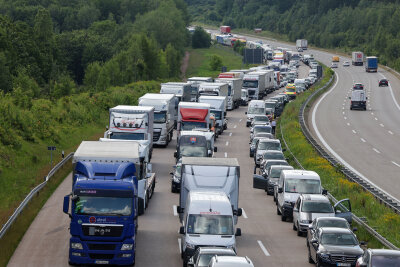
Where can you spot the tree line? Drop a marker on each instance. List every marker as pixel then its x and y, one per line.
pixel 369 26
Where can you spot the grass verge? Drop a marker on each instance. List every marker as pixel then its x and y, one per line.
pixel 378 216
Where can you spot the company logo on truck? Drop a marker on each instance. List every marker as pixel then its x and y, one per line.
pixel 92 219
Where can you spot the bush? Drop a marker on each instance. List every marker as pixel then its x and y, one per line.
pixel 215 62
pixel 200 38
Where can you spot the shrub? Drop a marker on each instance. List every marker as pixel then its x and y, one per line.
pixel 215 62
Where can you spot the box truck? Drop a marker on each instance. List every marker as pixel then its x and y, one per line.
pixel 234 89
pixel 301 44
pixel 357 58
pixel 371 64
pixel 183 91
pixel 218 110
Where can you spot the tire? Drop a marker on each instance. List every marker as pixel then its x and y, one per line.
pixel 277 210
pixel 318 264
pixel 294 227
pixel 310 260
pixel 299 233
pixel 268 193
pixel 283 218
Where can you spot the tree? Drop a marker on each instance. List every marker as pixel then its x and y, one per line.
pixel 200 38
pixel 215 62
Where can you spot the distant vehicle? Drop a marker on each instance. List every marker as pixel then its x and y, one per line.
pixel 334 247
pixel 371 64
pixel 225 29
pixel 301 44
pixel 256 107
pixel 260 129
pixel 253 143
pixel 290 90
pixel 346 64
pixel 299 49
pixel 203 255
pixel 335 59
pixel 260 120
pixel 265 145
pixel 334 65
pixel 358 86
pixel 357 58
pixel 274 172
pixel 229 261
pixel 383 82
pixel 379 257
pixel 358 100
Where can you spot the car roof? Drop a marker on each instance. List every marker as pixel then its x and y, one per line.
pixel 270 141
pixel 330 219
pixel 235 260
pixel 384 252
pixel 209 250
pixel 333 230
pixel 262 126
pixel 281 167
pixel 273 152
pixel 314 197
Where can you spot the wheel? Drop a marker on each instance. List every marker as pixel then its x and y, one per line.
pixel 277 210
pixel 310 260
pixel 294 227
pixel 351 108
pixel 318 264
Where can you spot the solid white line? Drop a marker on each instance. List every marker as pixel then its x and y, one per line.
pixel 376 150
pixel 175 211
pixel 263 248
pixel 244 214
pixel 362 139
pixel 226 155
pixel 179 244
pixel 391 92
pixel 398 165
pixel 235 126
pixel 390 132
pixel 382 125
pixel 230 134
pixel 325 144
pixel 354 131
pixel 227 143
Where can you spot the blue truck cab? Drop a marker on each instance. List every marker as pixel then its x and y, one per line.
pixel 103 204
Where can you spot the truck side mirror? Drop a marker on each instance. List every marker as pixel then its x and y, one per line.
pixel 239 212
pixel 324 192
pixel 215 149
pixel 179 209
pixel 182 230
pixel 238 232
pixel 66 205
pixel 106 127
pixel 175 154
pixel 245 113
pixel 280 189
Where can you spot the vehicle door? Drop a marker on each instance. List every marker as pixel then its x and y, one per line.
pixel 281 191
pixel 296 211
pixel 343 210
pixel 314 246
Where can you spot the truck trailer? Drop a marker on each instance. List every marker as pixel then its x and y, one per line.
pixel 218 110
pixel 183 91
pixel 371 64
pixel 234 89
pixel 357 58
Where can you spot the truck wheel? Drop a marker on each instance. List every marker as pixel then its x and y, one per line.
pixel 140 206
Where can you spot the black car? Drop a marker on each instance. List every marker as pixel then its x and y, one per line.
pixel 334 247
pixel 383 82
pixel 379 258
pixel 176 178
pixel 320 222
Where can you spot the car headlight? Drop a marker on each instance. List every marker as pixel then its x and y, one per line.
pixel 324 256
pixel 191 246
pixel 127 247
pixel 76 246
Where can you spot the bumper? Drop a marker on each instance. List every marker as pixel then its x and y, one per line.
pixel 330 263
pixel 287 210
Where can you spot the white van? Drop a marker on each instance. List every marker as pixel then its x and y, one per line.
pixel 208 221
pixel 291 184
pixel 256 107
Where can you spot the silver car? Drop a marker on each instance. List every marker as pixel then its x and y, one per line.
pixel 203 255
pixel 263 146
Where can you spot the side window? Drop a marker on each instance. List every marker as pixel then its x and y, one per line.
pixel 298 203
pixel 281 182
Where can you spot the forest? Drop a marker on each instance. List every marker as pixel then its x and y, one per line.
pixel 370 26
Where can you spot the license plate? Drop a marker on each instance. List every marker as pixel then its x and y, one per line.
pixel 343 264
pixel 101 262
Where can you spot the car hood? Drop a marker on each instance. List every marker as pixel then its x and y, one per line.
pixel 341 250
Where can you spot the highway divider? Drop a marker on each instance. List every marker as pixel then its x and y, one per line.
pixel 375 216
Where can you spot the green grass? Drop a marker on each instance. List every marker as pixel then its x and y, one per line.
pixel 379 217
pixel 199 61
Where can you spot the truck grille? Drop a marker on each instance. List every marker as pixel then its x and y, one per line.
pixel 95 256
pixel 101 246
pixel 102 230
pixel 156 136
pixel 343 258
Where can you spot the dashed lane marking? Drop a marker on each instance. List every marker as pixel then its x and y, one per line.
pixel 175 210
pixel 244 214
pixel 226 155
pixel 382 125
pixel 362 139
pixel 227 143
pixel 390 132
pixel 230 134
pixel 263 248
pixel 398 165
pixel 179 244
pixel 354 131
pixel 376 150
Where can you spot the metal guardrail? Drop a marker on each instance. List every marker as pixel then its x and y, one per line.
pixel 35 190
pixel 305 130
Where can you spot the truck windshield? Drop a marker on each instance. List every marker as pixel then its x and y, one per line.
pixel 244 94
pixel 190 125
pixel 208 224
pixel 217 114
pixel 128 136
pixel 160 117
pixel 317 207
pixel 94 205
pixel 251 92
pixel 250 84
pixel 303 186
pixel 193 151
pixel 212 93
pixel 256 110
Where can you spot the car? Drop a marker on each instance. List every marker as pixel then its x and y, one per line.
pixel 334 247
pixel 299 49
pixel 379 258
pixel 334 65
pixel 263 146
pixel 273 174
pixel 176 177
pixel 260 129
pixel 203 255
pixel 358 86
pixel 260 120
pixel 320 222
pixel 271 155
pixel 266 164
pixel 346 64
pixel 229 261
pixel 253 143
pixel 309 207
pixel 383 82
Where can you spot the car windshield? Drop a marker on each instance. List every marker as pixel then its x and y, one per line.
pixel 303 186
pixel 90 205
pixel 261 118
pixel 256 110
pixel 317 207
pixel 160 117
pixel 333 223
pixel 337 239
pixel 270 105
pixel 268 156
pixel 204 259
pixel 127 136
pixel 385 260
pixel 190 125
pixel 257 130
pixel 275 173
pixel 269 146
pixel 250 84
pixel 210 224
pixel 217 114
pixel 290 90
pixel 193 151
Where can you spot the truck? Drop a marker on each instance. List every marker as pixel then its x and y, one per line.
pixel 218 110
pixel 335 59
pixel 358 100
pixel 269 80
pixel 357 58
pixel 210 139
pixel 225 29
pixel 103 204
pixel 193 115
pixel 301 44
pixel 183 91
pixel 209 221
pixel 214 89
pixel 230 75
pixel 255 85
pixel 211 174
pixel 371 64
pixel 132 123
pixel 164 116
pixel 234 88
pixel 195 83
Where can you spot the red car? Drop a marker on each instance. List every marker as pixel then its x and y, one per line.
pixel 383 82
pixel 358 86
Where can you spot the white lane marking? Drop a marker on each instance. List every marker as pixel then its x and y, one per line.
pixel 244 214
pixel 362 139
pixel 226 155
pixel 179 244
pixel 376 119
pixel 390 132
pixel 376 150
pixel 230 134
pixel 240 120
pixel 354 131
pixel 348 124
pixel 227 143
pixel 344 104
pixel 342 107
pixel 382 125
pixel 174 208
pixel 325 144
pixel 263 248
pixel 391 92
pixel 343 112
pixel 398 165
pixel 235 126
pixel 345 117
pixel 372 113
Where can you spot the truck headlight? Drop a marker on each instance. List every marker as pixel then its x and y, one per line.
pixel 127 247
pixel 190 246
pixel 76 246
pixel 126 255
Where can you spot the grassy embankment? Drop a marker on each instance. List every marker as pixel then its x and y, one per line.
pixel 384 220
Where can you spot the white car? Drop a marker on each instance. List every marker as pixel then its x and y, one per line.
pixel 346 64
pixel 230 261
pixel 334 65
